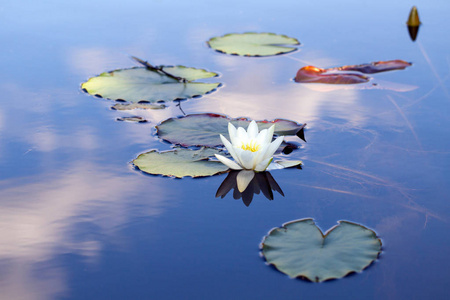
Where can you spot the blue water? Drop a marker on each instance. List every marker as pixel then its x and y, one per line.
pixel 77 221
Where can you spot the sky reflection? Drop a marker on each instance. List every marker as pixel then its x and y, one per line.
pixel 43 219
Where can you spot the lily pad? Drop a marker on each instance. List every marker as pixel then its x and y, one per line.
pixel 142 84
pixel 299 249
pixel 253 44
pixel 136 119
pixel 180 163
pixel 311 74
pixel 284 164
pixel 376 66
pixel 338 75
pixel 204 129
pixel 131 106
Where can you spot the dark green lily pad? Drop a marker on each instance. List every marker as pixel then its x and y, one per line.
pixel 253 44
pixel 135 119
pixel 299 249
pixel 204 129
pixel 180 163
pixel 150 85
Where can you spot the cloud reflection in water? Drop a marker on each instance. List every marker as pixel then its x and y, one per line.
pixel 45 218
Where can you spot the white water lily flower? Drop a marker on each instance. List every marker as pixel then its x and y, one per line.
pixel 251 151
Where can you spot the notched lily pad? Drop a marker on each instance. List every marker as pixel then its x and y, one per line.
pixel 180 163
pixel 299 249
pixel 253 44
pixel 204 129
pixel 150 84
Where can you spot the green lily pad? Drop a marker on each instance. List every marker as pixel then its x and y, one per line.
pixel 253 44
pixel 299 249
pixel 204 129
pixel 135 119
pixel 180 163
pixel 131 106
pixel 142 84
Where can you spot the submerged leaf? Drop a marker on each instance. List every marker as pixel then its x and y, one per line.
pixel 144 84
pixel 204 129
pixel 253 44
pixel 180 163
pixel 299 249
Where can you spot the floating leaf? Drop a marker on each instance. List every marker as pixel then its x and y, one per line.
pixel 143 84
pixel 375 67
pixel 310 74
pixel 136 119
pixel 180 163
pixel 204 129
pixel 299 249
pixel 253 44
pixel 122 106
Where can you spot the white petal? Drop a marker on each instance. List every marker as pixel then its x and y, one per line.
pixel 260 155
pixel 241 135
pixel 246 158
pixel 252 130
pixel 230 149
pixel 244 178
pixel 232 132
pixel 269 135
pixel 262 166
pixel 274 146
pixel 261 138
pixel 225 142
pixel 228 162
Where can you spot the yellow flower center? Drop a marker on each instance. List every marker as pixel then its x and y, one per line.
pixel 251 145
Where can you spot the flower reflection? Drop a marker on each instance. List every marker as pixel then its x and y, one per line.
pixel 261 182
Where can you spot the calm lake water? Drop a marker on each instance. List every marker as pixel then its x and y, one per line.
pixel 77 221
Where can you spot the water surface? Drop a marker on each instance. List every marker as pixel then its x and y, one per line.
pixel 77 221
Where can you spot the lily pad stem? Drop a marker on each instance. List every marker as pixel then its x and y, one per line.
pixel 158 69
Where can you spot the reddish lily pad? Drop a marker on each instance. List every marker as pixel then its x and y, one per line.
pixel 376 67
pixel 311 74
pixel 339 75
pixel 204 129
